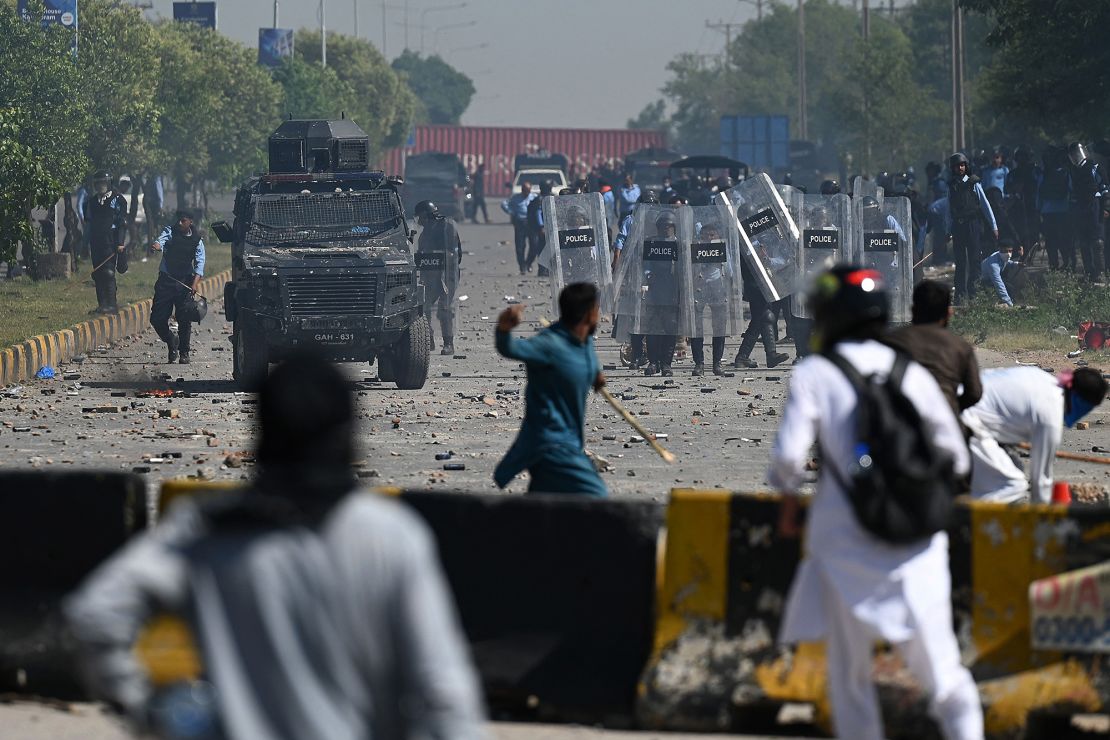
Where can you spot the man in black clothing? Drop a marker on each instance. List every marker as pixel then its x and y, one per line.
pixel 478 192
pixel 438 258
pixel 967 209
pixel 536 238
pixel 178 279
pixel 106 221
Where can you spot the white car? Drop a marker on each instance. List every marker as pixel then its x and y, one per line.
pixel 535 176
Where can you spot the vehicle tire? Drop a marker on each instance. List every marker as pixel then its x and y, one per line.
pixel 410 356
pixel 251 356
pixel 385 366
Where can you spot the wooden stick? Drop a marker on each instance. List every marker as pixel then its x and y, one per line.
pixel 667 455
pixel 1097 459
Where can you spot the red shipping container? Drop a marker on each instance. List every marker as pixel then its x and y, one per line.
pixel 497 146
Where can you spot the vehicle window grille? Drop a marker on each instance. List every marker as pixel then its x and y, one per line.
pixel 327 295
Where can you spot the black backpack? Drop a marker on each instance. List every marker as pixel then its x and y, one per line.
pixel 901 485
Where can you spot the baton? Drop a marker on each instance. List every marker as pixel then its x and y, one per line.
pixel 1097 459
pixel 668 456
pixel 922 260
pixel 111 257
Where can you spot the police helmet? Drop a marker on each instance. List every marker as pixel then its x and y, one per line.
pixel 194 309
pixel 650 197
pixel 724 182
pixel 1077 153
pixel 426 209
pixel 846 300
pixel 665 219
pixel 1022 155
pixel 869 202
pixel 577 217
pixel 830 187
pixel 957 159
pixel 102 175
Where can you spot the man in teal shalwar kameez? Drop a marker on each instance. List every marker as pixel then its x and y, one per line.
pixel 562 368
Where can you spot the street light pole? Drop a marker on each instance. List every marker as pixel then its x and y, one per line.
pixel 424 19
pixel 323 34
pixel 803 123
pixel 275 13
pixel 355 2
pixel 435 36
pixel 958 123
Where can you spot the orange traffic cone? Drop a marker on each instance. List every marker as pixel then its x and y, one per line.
pixel 1061 492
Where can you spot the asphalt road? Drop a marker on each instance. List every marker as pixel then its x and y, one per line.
pixel 721 429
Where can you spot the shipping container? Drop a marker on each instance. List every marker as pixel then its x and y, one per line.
pixel 497 146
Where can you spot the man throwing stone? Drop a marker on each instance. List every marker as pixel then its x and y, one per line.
pixel 178 277
pixel 562 368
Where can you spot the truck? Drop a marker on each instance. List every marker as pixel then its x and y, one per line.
pixel 438 177
pixel 322 258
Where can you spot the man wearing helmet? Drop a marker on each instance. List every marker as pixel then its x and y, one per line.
pixel 854 589
pixel 661 301
pixel 439 258
pixel 967 209
pixel 106 222
pixel 637 356
pixel 1087 186
pixel 179 275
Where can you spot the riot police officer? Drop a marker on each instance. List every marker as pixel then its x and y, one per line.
pixel 105 216
pixel 179 277
pixel 967 209
pixel 439 257
pixel 1086 191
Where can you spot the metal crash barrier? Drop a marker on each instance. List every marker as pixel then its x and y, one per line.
pixel 723 585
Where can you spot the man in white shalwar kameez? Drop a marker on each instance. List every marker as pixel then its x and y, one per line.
pixel 1025 404
pixel 853 589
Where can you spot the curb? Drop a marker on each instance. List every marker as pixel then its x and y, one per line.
pixel 22 361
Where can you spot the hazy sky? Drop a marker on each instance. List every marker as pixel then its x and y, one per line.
pixel 580 63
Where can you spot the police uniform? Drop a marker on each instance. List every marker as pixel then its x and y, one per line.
pixel 439 236
pixel 182 260
pixel 106 220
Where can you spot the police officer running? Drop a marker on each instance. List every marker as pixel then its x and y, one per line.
pixel 105 214
pixel 439 257
pixel 179 276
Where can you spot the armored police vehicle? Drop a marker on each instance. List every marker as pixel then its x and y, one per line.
pixel 321 257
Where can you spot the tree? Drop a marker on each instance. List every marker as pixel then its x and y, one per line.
pixel 118 67
pixel 312 91
pixel 44 123
pixel 443 91
pixel 387 107
pixel 1052 57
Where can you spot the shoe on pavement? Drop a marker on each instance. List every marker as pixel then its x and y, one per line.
pixel 666 371
pixel 742 362
pixel 777 359
pixel 172 353
pixel 448 348
pixel 184 358
pixel 699 370
pixel 650 369
pixel 717 369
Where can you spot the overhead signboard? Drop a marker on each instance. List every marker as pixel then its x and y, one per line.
pixel 60 12
pixel 274 46
pixel 201 14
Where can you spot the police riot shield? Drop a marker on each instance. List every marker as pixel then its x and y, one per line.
pixel 768 235
pixel 716 307
pixel 863 187
pixel 826 225
pixel 883 242
pixel 436 256
pixel 577 248
pixel 652 284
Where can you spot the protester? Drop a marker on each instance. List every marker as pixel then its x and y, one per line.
pixel 949 358
pixel 179 276
pixel 992 269
pixel 627 197
pixel 1025 404
pixel 478 193
pixel 854 589
pixel 319 610
pixel 562 367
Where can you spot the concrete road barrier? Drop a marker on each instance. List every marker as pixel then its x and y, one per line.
pixel 55 529
pixel 725 577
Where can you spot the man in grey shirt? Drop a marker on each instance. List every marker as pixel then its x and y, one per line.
pixel 319 611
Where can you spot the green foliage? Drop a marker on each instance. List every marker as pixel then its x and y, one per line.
pixel 24 184
pixel 117 64
pixel 653 117
pixel 443 91
pixel 1052 56
pixel 386 106
pixel 312 91
pixel 1060 300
